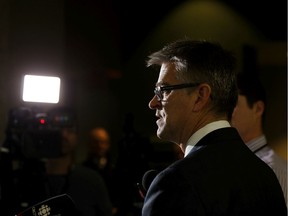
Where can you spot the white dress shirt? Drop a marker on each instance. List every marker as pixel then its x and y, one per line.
pixel 203 132
pixel 264 152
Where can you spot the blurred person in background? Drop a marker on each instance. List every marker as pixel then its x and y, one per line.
pixel 99 159
pixel 45 174
pixel 85 186
pixel 249 117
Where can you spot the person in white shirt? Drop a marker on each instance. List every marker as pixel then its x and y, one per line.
pixel 248 118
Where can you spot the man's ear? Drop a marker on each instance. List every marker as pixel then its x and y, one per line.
pixel 260 107
pixel 203 96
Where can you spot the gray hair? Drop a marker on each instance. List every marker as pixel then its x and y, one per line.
pixel 203 62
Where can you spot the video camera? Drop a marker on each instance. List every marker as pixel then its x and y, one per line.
pixel 34 133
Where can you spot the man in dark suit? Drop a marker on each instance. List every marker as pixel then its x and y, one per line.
pixel 195 95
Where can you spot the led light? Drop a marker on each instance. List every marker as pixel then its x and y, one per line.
pixel 42 121
pixel 45 89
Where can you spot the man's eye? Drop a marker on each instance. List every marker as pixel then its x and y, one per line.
pixel 166 91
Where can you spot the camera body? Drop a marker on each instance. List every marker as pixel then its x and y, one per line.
pixel 34 133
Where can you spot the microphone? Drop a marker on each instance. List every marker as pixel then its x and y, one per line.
pixel 61 205
pixel 147 179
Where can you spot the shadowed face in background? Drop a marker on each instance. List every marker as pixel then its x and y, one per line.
pixel 69 140
pixel 247 119
pixel 99 143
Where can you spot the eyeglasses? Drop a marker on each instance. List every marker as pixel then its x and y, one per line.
pixel 158 91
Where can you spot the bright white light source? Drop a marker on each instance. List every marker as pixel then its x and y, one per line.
pixel 44 89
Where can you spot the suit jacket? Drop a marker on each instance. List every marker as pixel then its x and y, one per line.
pixel 220 176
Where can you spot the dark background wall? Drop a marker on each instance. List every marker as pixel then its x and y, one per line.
pixel 98 48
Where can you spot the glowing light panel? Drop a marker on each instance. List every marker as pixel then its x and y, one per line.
pixel 44 89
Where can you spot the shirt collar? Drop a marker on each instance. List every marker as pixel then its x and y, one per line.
pixel 257 143
pixel 204 131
